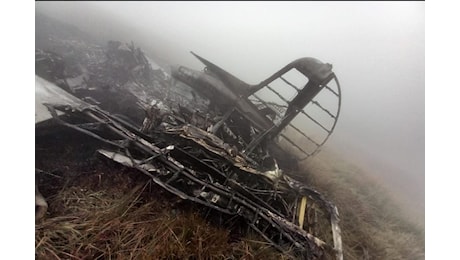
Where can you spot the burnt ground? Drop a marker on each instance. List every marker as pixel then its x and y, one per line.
pixel 99 209
pixel 67 158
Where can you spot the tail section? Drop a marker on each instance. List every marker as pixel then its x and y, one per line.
pixel 304 118
pixel 280 107
pixel 232 82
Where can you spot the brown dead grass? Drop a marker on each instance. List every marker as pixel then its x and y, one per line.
pixel 373 225
pixel 101 210
pixel 101 221
pixel 104 211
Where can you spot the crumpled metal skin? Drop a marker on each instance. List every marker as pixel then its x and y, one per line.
pixel 173 163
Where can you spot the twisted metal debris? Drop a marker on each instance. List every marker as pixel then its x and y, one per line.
pixel 228 148
pixel 214 177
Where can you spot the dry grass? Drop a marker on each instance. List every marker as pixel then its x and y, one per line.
pixel 100 210
pixel 373 226
pixel 108 223
pixel 104 211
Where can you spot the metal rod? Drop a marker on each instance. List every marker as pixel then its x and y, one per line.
pixel 312 119
pixel 290 84
pixel 325 110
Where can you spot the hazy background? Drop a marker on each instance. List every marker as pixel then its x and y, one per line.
pixel 377 50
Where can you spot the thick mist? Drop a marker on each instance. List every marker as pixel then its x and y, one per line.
pixel 376 49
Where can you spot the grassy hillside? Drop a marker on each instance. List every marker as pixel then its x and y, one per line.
pixel 100 210
pixel 373 224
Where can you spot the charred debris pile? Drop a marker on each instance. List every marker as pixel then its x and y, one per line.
pixel 138 117
pixel 116 78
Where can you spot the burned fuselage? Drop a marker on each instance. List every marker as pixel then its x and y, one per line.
pixel 242 110
pixel 221 157
pixel 232 95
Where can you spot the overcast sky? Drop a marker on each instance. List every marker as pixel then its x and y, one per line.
pixel 376 49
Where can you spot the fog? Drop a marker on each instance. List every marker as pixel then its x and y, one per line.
pixel 376 49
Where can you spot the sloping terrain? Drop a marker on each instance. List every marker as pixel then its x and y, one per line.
pixel 373 224
pixel 100 210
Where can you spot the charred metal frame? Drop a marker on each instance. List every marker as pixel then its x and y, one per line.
pixel 286 121
pixel 237 94
pixel 221 180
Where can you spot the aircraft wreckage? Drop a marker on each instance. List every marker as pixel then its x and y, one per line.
pixel 230 148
